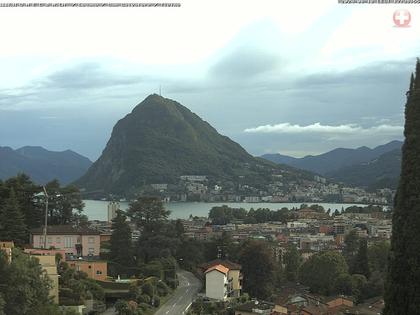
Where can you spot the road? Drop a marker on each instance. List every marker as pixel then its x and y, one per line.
pixel 183 296
pixel 110 311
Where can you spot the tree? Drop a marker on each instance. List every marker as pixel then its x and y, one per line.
pixel 12 221
pixel 121 254
pixel 343 284
pixel 258 269
pixel 361 262
pixel 359 285
pixel 76 287
pixel 148 213
pixel 29 203
pixel 351 245
pixel 65 204
pixel 292 261
pixel 179 228
pixel 317 208
pixel 190 253
pixel 378 256
pixel 126 308
pixel 2 303
pixel 24 287
pixel 321 270
pixel 403 281
pixel 157 242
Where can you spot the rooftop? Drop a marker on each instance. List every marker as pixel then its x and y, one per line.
pixel 66 230
pixel 227 263
pixel 219 268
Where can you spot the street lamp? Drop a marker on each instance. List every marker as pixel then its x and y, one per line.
pixel 45 195
pixel 46 217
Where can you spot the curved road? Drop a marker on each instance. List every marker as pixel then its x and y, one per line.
pixel 183 296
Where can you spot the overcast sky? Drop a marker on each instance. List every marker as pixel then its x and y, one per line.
pixel 295 77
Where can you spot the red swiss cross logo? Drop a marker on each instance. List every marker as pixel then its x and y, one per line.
pixel 402 18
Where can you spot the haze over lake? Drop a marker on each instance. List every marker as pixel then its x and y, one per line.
pixel 97 209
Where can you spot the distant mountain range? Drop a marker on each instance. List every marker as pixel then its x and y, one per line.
pixel 374 168
pixel 382 172
pixel 42 165
pixel 160 140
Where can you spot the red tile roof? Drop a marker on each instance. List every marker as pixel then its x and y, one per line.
pixel 227 263
pixel 219 268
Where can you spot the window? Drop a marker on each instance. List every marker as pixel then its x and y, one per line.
pixel 91 240
pixel 98 272
pixel 91 251
pixel 49 239
pixel 58 240
pixel 90 267
pixel 68 242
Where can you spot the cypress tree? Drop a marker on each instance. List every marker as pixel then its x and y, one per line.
pixel 361 262
pixel 12 221
pixel 121 254
pixel 402 294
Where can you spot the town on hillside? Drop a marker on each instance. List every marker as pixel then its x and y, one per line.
pixel 210 157
pixel 305 260
pixel 280 188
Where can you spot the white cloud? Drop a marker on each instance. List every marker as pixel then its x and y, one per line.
pixel 346 129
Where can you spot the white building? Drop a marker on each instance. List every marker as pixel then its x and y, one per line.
pixel 113 206
pixel 296 225
pixel 193 178
pixel 217 282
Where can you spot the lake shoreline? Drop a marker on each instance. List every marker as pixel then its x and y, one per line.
pixel 97 209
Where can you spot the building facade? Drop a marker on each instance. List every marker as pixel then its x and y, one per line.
pixel 217 282
pixel 74 241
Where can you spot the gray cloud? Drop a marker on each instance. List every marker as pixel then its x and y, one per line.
pixel 88 76
pixel 244 63
pixel 378 73
pixel 68 83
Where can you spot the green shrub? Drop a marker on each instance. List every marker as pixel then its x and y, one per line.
pixel 144 298
pixel 148 289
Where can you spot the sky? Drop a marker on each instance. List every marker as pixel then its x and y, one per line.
pixel 292 77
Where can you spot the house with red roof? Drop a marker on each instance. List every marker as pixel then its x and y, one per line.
pixel 217 282
pixel 234 275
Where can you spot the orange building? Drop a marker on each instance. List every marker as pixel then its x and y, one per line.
pixel 105 237
pixel 95 269
pixel 46 252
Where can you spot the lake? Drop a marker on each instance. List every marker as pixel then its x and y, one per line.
pixel 97 209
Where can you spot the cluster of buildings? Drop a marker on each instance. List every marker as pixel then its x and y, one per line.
pixel 310 231
pixel 79 247
pixel 223 281
pixel 295 301
pixel 279 189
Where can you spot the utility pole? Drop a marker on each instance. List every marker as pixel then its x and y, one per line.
pixel 46 217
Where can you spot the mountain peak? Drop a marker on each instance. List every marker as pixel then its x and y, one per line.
pixel 42 165
pixel 160 141
pixel 156 99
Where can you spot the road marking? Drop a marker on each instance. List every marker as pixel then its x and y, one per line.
pixel 189 305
